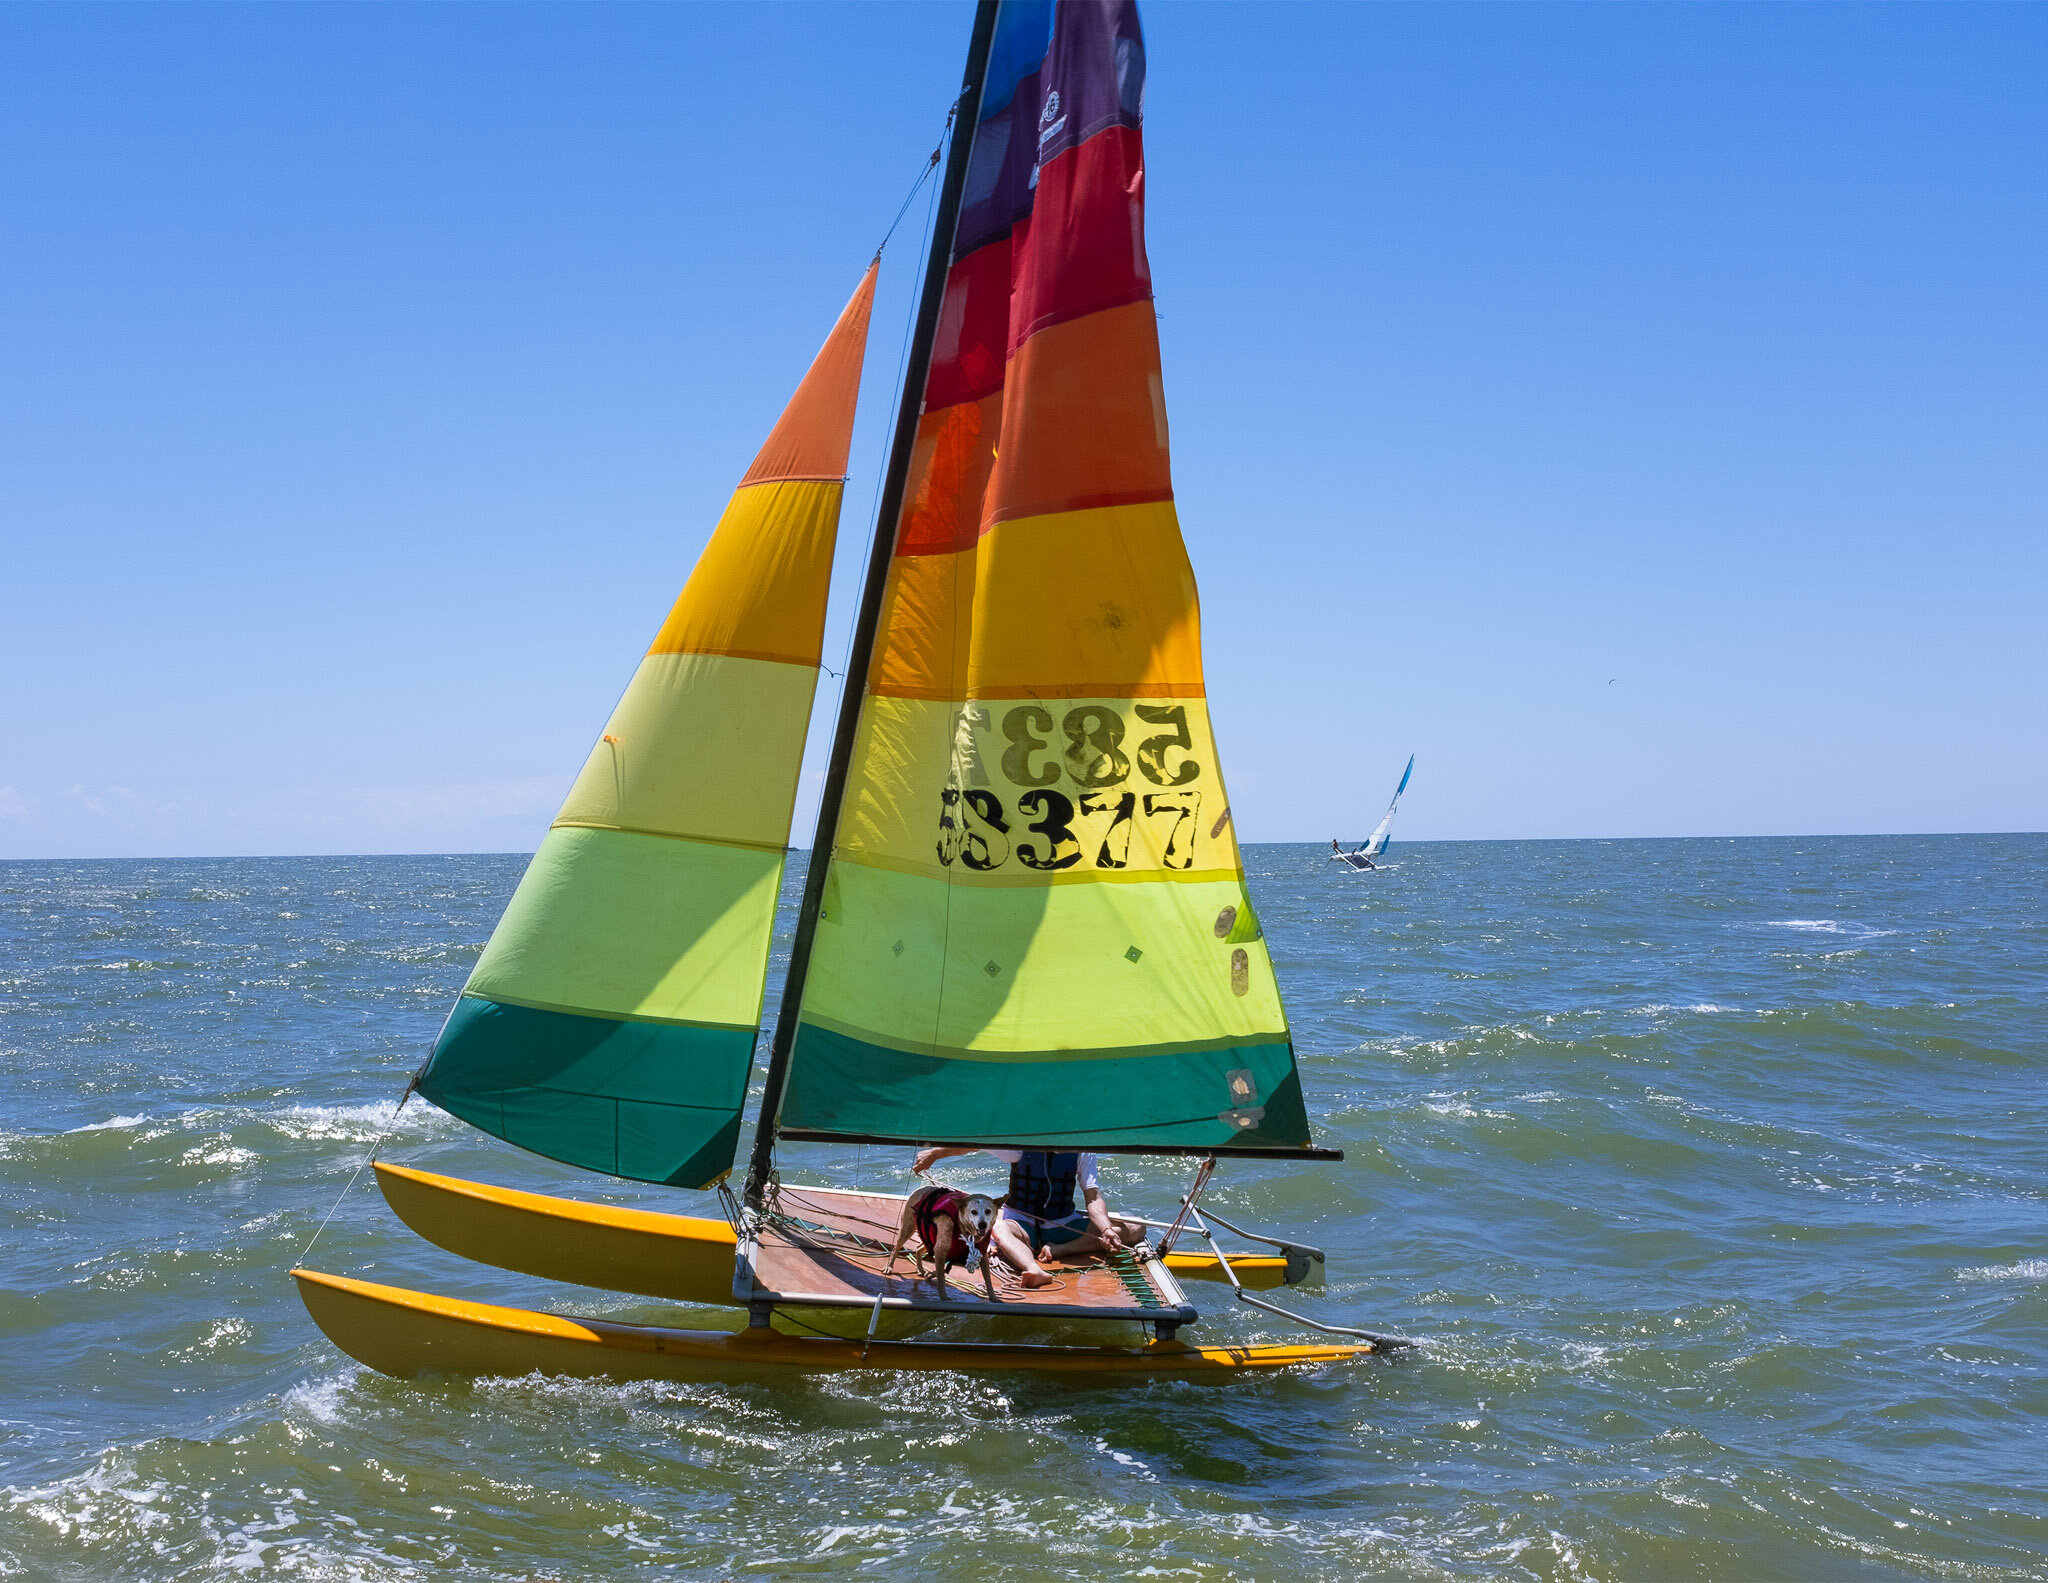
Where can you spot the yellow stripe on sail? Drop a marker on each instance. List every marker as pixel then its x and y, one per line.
pixel 1047 791
pixel 759 587
pixel 700 745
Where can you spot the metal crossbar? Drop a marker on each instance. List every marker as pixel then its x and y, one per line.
pixel 1385 1342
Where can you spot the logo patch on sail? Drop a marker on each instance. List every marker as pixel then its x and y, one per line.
pixel 1051 122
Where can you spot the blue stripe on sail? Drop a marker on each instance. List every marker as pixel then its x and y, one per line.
pixel 1023 35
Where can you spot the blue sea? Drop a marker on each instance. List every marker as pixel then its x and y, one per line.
pixel 1710 1173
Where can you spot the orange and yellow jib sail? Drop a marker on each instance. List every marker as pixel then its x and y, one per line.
pixel 610 1022
pixel 1035 929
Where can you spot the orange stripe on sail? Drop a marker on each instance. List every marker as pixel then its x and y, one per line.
pixel 1097 603
pixel 1084 417
pixel 815 431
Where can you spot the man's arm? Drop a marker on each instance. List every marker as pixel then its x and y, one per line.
pixel 927 1158
pixel 1098 1217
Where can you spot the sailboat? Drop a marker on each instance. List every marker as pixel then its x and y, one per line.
pixel 1360 859
pixel 1024 923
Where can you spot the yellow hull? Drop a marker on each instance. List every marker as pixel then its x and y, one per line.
pixel 680 1258
pixel 407 1334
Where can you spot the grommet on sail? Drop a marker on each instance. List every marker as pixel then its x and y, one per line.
pixel 610 1022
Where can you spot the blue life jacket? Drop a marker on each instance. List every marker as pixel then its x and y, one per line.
pixel 1042 1184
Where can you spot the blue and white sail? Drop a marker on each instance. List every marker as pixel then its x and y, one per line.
pixel 1383 832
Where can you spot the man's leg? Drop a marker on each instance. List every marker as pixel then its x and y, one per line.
pixel 1010 1241
pixel 1070 1242
pixel 1087 1240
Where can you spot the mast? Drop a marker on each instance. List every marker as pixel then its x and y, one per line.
pixel 966 115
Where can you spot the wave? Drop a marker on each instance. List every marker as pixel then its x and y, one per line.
pixel 111 1124
pixel 1862 931
pixel 229 1142
pixel 2024 1270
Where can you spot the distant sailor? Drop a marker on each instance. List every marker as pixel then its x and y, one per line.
pixel 1039 1222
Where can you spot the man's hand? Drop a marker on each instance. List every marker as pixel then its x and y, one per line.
pixel 926 1159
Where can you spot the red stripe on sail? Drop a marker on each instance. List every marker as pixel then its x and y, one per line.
pixel 1082 248
pixel 973 337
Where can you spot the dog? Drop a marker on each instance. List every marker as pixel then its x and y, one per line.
pixel 953 1226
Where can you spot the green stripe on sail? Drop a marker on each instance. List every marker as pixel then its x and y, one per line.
pixel 624 924
pixel 1128 1097
pixel 596 1092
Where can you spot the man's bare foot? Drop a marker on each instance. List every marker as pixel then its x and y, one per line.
pixel 1030 1279
pixel 1046 1255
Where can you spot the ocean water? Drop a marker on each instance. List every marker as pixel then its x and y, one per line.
pixel 1711 1174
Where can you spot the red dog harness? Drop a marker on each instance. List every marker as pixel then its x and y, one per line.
pixel 946 1201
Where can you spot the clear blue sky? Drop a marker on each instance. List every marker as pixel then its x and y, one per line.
pixel 1635 411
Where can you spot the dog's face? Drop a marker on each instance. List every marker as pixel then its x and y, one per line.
pixel 978 1216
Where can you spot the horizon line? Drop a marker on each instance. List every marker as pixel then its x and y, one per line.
pixel 277 857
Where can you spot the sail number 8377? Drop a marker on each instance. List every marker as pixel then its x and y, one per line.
pixel 1047 829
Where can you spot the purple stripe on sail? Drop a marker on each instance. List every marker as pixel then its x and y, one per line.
pixel 1093 77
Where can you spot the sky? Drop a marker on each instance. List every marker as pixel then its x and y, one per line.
pixel 1636 412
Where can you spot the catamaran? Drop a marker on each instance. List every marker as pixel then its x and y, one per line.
pixel 1024 923
pixel 1360 858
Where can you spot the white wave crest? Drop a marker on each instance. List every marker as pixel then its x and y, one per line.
pixel 2025 1270
pixel 1861 931
pixel 321 1399
pixel 353 1123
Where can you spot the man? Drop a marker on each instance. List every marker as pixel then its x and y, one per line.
pixel 1039 1222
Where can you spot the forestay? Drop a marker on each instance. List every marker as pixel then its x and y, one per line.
pixel 1035 928
pixel 611 1020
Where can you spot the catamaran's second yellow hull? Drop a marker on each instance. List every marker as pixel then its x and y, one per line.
pixel 407 1334
pixel 682 1258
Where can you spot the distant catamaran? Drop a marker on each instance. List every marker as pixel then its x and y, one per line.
pixel 1381 838
pixel 1025 923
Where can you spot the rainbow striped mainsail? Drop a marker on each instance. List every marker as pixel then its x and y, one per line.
pixel 1035 928
pixel 610 1022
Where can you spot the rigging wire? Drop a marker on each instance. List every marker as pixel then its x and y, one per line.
pixel 923 176
pixel 833 1335
pixel 390 1127
pixel 902 362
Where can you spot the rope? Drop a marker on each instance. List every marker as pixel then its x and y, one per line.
pixel 389 1127
pixel 730 1208
pixel 923 176
pixel 833 1335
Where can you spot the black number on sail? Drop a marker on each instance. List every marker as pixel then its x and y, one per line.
pixel 949 827
pixel 1029 729
pixel 1115 851
pixel 1095 755
pixel 985 834
pixel 1052 817
pixel 1152 751
pixel 1180 839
